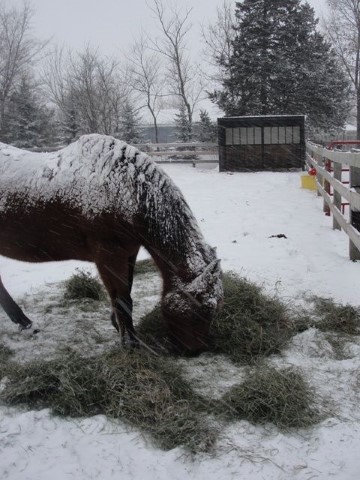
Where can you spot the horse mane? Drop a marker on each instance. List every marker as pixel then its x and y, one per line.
pixel 100 174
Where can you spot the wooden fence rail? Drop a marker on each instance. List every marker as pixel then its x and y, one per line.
pixel 329 165
pixel 192 153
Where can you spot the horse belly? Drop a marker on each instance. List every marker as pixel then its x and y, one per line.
pixel 42 246
pixel 57 232
pixel 38 237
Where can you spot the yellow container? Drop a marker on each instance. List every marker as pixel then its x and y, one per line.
pixel 308 181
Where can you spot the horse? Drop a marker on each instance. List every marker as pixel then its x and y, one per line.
pixel 99 200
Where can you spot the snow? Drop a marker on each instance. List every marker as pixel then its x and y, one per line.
pixel 85 174
pixel 238 213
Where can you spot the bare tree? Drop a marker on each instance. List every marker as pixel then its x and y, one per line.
pixel 90 91
pixel 58 83
pixel 183 75
pixel 18 50
pixel 218 38
pixel 147 79
pixel 343 30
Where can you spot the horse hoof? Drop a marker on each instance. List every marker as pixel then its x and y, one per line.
pixel 132 343
pixel 28 330
pixel 25 327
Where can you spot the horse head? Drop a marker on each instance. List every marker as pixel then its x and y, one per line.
pixel 189 308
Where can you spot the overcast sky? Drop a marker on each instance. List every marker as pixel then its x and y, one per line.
pixel 113 24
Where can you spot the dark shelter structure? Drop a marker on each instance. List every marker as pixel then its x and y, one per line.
pixel 261 143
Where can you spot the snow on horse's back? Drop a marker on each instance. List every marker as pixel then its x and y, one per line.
pixel 99 200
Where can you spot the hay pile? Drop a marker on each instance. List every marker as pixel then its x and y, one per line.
pixel 83 285
pixel 281 397
pixel 334 317
pixel 143 390
pixel 250 324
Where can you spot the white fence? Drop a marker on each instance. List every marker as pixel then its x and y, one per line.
pixel 192 153
pixel 330 166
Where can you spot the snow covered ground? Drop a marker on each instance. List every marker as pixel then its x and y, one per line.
pixel 239 213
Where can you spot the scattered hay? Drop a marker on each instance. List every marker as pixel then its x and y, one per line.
pixel 302 320
pixel 335 317
pixel 143 390
pixel 145 266
pixel 281 397
pixel 5 354
pixel 83 285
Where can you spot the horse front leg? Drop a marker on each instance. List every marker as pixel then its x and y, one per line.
pixel 12 309
pixel 124 303
pixel 118 278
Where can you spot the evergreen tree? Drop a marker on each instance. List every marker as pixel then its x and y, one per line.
pixel 129 130
pixel 27 122
pixel 183 125
pixel 69 119
pixel 207 129
pixel 281 64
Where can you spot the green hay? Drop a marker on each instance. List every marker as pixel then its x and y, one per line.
pixel 143 390
pixel 83 285
pixel 145 266
pixel 281 397
pixel 5 354
pixel 302 321
pixel 335 317
pixel 251 323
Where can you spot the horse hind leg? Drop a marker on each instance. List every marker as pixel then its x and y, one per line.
pixel 123 310
pixel 121 317
pixel 118 325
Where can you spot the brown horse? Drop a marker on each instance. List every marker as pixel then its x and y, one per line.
pixel 99 200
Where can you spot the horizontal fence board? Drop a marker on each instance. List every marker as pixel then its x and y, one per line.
pixel 185 161
pixel 175 145
pixel 352 197
pixel 181 152
pixel 351 159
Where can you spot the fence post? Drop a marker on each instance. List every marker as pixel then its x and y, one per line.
pixel 337 196
pixel 327 166
pixel 354 215
pixel 319 160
